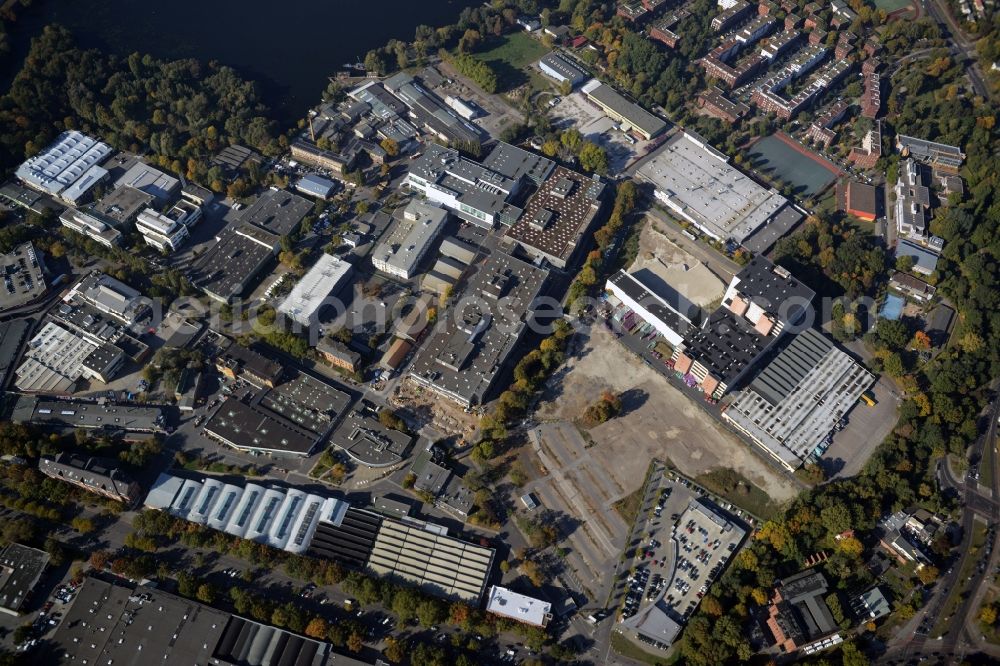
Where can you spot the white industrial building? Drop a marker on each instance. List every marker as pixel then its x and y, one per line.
pixel 560 69
pixel 461 107
pixel 91 227
pixel 667 319
pixel 56 358
pixel 310 294
pixel 520 607
pixel 284 518
pixel 71 159
pixel 402 250
pixel 698 184
pixel 160 231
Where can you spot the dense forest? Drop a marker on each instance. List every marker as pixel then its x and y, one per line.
pixel 182 111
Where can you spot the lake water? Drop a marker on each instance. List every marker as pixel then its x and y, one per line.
pixel 289 47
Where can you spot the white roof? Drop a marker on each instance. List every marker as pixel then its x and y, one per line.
pixel 518 606
pixel 698 182
pixel 63 162
pixel 163 492
pixel 325 277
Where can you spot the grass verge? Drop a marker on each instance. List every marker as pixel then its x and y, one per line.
pixel 735 488
pixel 627 648
pixel 954 599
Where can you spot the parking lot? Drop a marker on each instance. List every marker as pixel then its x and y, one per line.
pixel 688 543
pixel 866 428
pixel 577 112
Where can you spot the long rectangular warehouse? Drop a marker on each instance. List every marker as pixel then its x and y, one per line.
pixel 436 563
pixel 794 405
pixel 698 184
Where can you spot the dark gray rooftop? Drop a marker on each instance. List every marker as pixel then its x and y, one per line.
pixel 277 211
pixel 20 569
pixel 790 367
pixel 308 402
pixel 514 162
pixel 365 439
pixel 246 427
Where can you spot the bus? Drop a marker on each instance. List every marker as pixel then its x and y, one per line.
pixel 868 399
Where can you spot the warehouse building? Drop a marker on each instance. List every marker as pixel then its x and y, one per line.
pixel 21 567
pixel 132 422
pixel 464 357
pixel 95 475
pixel 249 428
pixel 685 168
pixel 558 68
pixel 57 358
pixel 308 402
pixel 793 406
pixel 316 186
pixel 558 217
pixel 670 321
pixel 277 211
pixel 307 299
pixel 229 267
pixel 632 116
pixel 152 181
pixel 403 248
pixel 73 157
pixel 117 622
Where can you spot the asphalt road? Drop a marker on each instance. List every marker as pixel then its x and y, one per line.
pixel 962 636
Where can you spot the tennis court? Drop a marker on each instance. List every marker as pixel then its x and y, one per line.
pixel 780 157
pixel 893 307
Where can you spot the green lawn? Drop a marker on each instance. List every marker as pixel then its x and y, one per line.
pixel 627 648
pixel 511 57
pixel 737 489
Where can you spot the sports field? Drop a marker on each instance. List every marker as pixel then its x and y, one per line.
pixel 780 157
pixel 510 57
pixel 890 6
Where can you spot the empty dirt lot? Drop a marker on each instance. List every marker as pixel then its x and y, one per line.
pixel 659 421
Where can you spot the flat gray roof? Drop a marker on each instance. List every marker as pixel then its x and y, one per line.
pixel 463 358
pixel 20 569
pixel 277 211
pixel 697 182
pixel 631 112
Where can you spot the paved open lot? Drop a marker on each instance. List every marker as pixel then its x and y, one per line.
pixel 659 421
pixel 579 487
pixel 666 267
pixel 577 112
pixel 865 430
